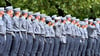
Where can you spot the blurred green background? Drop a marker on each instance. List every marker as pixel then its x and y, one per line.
pixel 79 8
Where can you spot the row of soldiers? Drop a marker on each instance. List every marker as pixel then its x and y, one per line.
pixel 23 33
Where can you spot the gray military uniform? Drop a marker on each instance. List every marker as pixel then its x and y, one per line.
pixel 47 43
pixel 17 37
pixel 37 32
pixel 30 37
pixel 52 34
pixel 56 39
pixel 22 22
pixel 41 39
pixel 68 37
pixel 63 40
pixel 91 40
pixel 9 28
pixel 2 36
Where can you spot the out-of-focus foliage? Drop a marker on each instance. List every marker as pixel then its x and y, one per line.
pixel 78 8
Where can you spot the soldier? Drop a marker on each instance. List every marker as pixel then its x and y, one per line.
pixel 37 32
pixel 83 41
pixel 68 33
pixel 2 32
pixel 47 37
pixel 92 38
pixel 86 39
pixel 63 37
pixel 30 35
pixel 78 51
pixel 81 38
pixel 16 30
pixel 75 35
pixel 98 34
pixel 42 35
pixel 77 39
pixel 73 28
pixel 22 22
pixel 97 40
pixel 52 34
pixel 9 29
pixel 57 37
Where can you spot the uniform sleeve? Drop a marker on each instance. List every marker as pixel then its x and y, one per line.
pixel 63 30
pixel 8 22
pixel 47 31
pixel 52 33
pixel 24 24
pixel 2 27
pixel 73 31
pixel 15 22
pixel 42 27
pixel 66 28
pixel 36 28
pixel 5 19
pixel 57 31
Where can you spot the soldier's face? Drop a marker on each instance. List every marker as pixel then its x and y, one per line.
pixel 43 19
pixel 98 22
pixel 26 14
pixel 91 23
pixel 30 16
pixel 64 21
pixel 11 15
pixel 69 19
pixel 49 23
pixel 86 26
pixel 78 25
pixel 82 26
pixel 2 12
pixel 11 11
pixel 18 13
pixel 38 17
pixel 74 21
